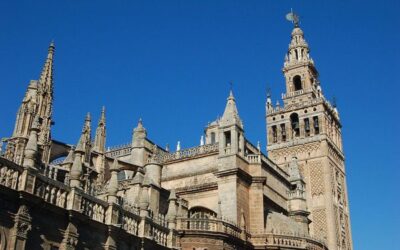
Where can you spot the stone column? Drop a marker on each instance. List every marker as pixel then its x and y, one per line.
pixel 19 233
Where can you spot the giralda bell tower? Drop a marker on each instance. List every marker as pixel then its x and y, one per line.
pixel 308 127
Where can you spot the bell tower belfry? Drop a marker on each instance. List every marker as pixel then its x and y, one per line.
pixel 308 127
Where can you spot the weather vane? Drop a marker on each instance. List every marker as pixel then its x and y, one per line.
pixel 293 17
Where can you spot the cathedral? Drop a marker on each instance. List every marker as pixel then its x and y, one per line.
pixel 223 194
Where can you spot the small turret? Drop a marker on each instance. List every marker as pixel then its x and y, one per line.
pixel 144 200
pixel 153 168
pixel 172 210
pixel 100 137
pixel 138 143
pixel 231 129
pixel 76 172
pixel 113 183
pixel 31 148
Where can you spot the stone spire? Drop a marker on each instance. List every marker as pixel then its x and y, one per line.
pixel 38 100
pixel 231 114
pixel 87 137
pixel 45 107
pixel 31 148
pixel 100 137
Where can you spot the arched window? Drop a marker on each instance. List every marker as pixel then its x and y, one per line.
pixel 200 217
pixel 294 120
pixel 212 137
pixel 297 83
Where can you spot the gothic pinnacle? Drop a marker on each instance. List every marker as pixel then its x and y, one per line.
pixel 32 145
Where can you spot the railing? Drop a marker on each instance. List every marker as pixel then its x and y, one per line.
pixel 293 241
pixel 158 233
pixel 277 109
pixel 53 192
pixel 296 194
pixel 210 225
pixel 254 158
pixel 189 152
pixel 10 176
pixel 119 150
pixel 57 193
pixel 93 208
pixel 130 222
pixel 296 93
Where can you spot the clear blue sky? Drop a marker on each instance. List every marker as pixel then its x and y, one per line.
pixel 170 62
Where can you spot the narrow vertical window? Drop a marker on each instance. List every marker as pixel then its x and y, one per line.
pixel 274 134
pixel 294 119
pixel 227 138
pixel 212 137
pixel 316 125
pixel 307 127
pixel 297 83
pixel 283 131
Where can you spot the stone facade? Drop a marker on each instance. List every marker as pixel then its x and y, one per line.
pixel 223 194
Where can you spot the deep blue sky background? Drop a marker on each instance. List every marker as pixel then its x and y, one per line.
pixel 170 62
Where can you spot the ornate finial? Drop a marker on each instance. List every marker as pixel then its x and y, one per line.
pixel 293 17
pixel 167 147
pixel 258 146
pixel 178 146
pixel 334 102
pixel 87 118
pixel 201 140
pixel 268 92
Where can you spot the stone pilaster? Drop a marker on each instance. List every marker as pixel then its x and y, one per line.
pixel 22 226
pixel 70 238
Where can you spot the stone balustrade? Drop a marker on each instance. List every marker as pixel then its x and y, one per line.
pixel 10 175
pixel 32 182
pixel 188 152
pixel 51 191
pixel 296 93
pixel 253 158
pixel 157 232
pixel 211 225
pixel 289 241
pixel 296 194
pixel 302 242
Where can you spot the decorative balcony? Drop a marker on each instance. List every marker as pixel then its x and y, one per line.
pixel 217 226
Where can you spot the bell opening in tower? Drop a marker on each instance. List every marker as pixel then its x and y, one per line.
pixel 297 83
pixel 294 119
